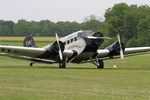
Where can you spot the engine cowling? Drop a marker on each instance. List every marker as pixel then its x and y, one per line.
pixel 114 48
pixel 54 47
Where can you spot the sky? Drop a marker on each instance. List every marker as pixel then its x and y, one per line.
pixel 58 10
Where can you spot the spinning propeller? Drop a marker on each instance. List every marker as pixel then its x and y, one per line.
pixel 121 50
pixel 93 37
pixel 59 51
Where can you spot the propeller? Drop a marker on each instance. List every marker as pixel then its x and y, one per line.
pixel 93 37
pixel 59 51
pixel 121 50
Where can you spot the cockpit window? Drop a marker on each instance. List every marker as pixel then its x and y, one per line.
pixel 85 33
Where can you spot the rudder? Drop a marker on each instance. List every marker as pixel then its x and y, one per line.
pixel 29 41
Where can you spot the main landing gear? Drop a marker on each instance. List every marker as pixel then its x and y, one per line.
pixel 99 63
pixel 62 64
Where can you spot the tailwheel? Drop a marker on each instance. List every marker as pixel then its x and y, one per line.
pixel 62 64
pixel 100 64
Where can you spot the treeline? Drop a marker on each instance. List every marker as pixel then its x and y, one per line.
pixel 132 22
pixel 45 27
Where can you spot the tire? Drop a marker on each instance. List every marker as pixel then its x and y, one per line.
pixel 100 64
pixel 31 64
pixel 62 64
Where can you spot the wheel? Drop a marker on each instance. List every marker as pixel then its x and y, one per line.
pixel 31 64
pixel 100 64
pixel 62 64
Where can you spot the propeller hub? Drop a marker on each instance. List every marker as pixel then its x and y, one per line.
pixel 115 48
pixel 55 46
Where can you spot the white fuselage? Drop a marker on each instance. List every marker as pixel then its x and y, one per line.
pixel 79 42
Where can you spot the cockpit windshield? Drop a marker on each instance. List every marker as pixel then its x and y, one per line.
pixel 85 33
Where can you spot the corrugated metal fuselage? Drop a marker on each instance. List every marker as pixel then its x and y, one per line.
pixel 78 42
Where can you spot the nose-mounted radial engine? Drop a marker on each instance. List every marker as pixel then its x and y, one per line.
pixel 94 41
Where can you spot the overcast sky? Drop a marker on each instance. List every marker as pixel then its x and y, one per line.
pixel 57 10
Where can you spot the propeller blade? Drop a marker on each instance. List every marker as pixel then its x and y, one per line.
pixel 121 50
pixel 121 54
pixel 60 52
pixel 93 37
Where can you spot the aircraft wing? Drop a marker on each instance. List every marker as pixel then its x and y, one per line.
pixel 23 51
pixel 106 54
pixel 28 53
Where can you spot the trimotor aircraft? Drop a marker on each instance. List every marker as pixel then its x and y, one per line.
pixel 79 47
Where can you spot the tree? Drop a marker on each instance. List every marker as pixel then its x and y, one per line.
pixel 132 22
pixel 94 25
pixel 115 18
pixel 22 28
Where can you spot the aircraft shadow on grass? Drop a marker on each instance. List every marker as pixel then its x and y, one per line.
pixel 81 68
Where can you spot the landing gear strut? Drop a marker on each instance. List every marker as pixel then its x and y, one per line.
pixel 99 63
pixel 62 64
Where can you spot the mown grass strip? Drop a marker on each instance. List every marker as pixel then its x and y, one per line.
pixel 22 38
pixel 129 81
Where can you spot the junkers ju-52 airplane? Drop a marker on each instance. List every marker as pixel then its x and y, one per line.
pixel 78 47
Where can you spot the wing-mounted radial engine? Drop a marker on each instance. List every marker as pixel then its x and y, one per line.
pixel 55 51
pixel 55 47
pixel 58 48
pixel 116 49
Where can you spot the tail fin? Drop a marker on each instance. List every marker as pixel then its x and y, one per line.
pixel 28 41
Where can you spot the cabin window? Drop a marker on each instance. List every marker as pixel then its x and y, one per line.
pixel 8 51
pixel 3 49
pixel 75 39
pixel 71 40
pixel 15 51
pixel 68 42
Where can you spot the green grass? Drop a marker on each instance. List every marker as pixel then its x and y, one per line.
pixel 20 43
pixel 129 81
pixel 22 38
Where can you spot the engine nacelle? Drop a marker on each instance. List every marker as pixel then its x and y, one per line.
pixel 114 48
pixel 54 47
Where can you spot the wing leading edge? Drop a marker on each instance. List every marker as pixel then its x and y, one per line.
pixel 22 51
pixel 26 53
pixel 105 53
pixel 30 53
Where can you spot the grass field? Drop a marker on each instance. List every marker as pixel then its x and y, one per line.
pixel 18 41
pixel 129 81
pixel 22 38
